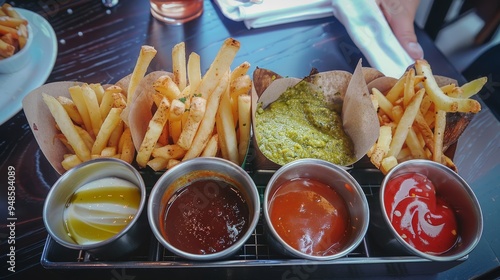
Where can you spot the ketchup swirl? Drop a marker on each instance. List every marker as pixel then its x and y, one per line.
pixel 418 215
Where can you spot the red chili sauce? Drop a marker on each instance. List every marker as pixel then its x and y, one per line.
pixel 205 217
pixel 310 216
pixel 421 218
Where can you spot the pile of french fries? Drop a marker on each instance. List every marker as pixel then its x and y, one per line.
pixel 13 31
pixel 412 116
pixel 209 116
pixel 90 123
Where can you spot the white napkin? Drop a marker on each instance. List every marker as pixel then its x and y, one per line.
pixel 273 12
pixel 362 19
pixel 371 33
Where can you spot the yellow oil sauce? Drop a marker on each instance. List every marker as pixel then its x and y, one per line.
pixel 100 209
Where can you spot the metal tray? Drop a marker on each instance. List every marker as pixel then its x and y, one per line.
pixel 256 257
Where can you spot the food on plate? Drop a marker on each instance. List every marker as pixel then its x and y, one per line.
pixel 13 31
pixel 326 115
pixel 419 117
pixel 183 115
pixel 310 216
pixel 421 217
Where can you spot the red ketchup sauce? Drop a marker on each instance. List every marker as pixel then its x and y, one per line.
pixel 422 219
pixel 310 216
pixel 205 217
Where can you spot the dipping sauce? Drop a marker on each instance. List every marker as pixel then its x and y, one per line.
pixel 205 217
pixel 100 209
pixel 301 124
pixel 310 216
pixel 419 216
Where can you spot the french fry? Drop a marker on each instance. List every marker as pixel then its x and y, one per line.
pixel 207 124
pixel 225 128
pixel 439 128
pixel 473 87
pixel 388 163
pixel 382 146
pixel 76 93
pixel 194 71
pixel 244 125
pixel 212 147
pixel 146 55
pixel 71 109
pixel 70 161
pixel 383 102
pixel 172 162
pixel 127 149
pixel 92 105
pixel 107 128
pixel 441 100
pixel 167 152
pixel 240 70
pixel 167 87
pixel 218 68
pixel 409 90
pixel 108 152
pixel 89 141
pixel 108 100
pixel 397 90
pixel 154 131
pixel 179 65
pixel 196 113
pixel 114 139
pixel 405 124
pixel 67 127
pixel 98 90
pixel 158 163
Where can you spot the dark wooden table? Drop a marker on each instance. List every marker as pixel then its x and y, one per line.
pixel 100 45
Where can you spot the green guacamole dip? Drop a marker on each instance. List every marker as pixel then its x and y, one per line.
pixel 300 124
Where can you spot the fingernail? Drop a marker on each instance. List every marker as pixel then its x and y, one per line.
pixel 415 50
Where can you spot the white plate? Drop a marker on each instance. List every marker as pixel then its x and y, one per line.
pixel 15 86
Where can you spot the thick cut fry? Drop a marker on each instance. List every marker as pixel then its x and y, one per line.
pixel 225 128
pixel 70 161
pixel 6 50
pixel 212 147
pixel 172 162
pixel 158 163
pixel 382 146
pixel 107 100
pixel 441 100
pixel 71 109
pixel 108 152
pixel 146 55
pixel 388 163
pixel 98 90
pixel 153 132
pixel 405 124
pixel 193 71
pixel 207 124
pixel 169 151
pixel 167 87
pixel 196 113
pixel 107 128
pixel 240 70
pixel 119 100
pixel 179 65
pixel 218 68
pixel 114 139
pixel 127 149
pixel 383 103
pixel 89 141
pixel 92 107
pixel 244 125
pixel 76 93
pixel 67 127
pixel 439 128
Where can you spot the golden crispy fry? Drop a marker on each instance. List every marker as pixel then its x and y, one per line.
pixel 218 68
pixel 196 113
pixel 154 131
pixel 405 124
pixel 381 148
pixel 167 87
pixel 179 65
pixel 108 126
pixel 98 90
pixel 76 93
pixel 439 127
pixel 212 147
pixel 146 55
pixel 108 152
pixel 383 102
pixel 71 109
pixel 409 90
pixel 441 100
pixel 244 125
pixel 167 152
pixel 70 161
pixel 67 127
pixel 207 124
pixel 225 129
pixel 127 149
pixel 114 139
pixel 92 105
pixel 107 100
pixel 193 71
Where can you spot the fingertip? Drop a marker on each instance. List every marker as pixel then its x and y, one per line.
pixel 415 50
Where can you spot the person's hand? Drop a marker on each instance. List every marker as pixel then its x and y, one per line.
pixel 400 14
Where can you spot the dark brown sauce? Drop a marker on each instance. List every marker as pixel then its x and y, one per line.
pixel 206 217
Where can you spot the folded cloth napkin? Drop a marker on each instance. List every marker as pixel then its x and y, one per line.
pixel 371 33
pixel 362 19
pixel 273 12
